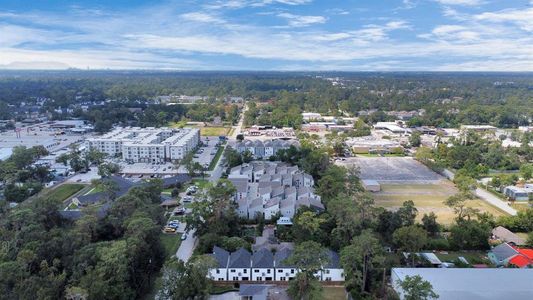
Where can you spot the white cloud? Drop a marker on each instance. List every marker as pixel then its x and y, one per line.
pixel 165 37
pixel 523 18
pixel 201 17
pixel 301 21
pixel 461 2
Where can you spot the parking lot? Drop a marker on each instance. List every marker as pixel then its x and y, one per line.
pixel 205 154
pixel 392 169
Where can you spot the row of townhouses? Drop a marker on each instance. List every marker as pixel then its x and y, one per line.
pixel 260 149
pixel 263 265
pixel 269 188
pixel 150 145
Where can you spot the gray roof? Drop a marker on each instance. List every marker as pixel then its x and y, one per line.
pixel 281 256
pixel 474 284
pixel 263 259
pixel 221 256
pixel 504 251
pixel 506 235
pixel 240 259
pixel 333 260
pixel 257 291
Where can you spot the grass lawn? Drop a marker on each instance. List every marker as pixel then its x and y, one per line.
pixel 427 198
pixel 167 191
pixel 94 190
pixel 171 243
pixel 333 293
pixel 520 206
pixel 214 131
pixel 200 183
pixel 215 159
pixel 64 191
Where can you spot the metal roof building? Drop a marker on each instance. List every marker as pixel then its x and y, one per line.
pixel 471 284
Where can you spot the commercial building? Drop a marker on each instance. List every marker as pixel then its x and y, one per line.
pixel 364 145
pixel 393 127
pixel 150 145
pixel 519 193
pixel 269 188
pixel 470 283
pixel 264 266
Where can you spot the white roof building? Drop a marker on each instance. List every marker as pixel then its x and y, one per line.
pixel 471 283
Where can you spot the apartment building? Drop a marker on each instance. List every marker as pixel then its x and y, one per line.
pixel 150 145
pixel 269 188
pixel 264 266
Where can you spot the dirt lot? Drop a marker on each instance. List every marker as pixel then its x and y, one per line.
pixel 427 198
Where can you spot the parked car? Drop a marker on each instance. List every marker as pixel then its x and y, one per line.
pixel 187 199
pixel 183 237
pixel 169 229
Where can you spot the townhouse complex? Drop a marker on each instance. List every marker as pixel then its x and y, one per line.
pixel 149 145
pixel 268 188
pixel 263 265
pixel 264 149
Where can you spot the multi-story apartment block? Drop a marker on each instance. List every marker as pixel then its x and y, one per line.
pixel 151 145
pixel 269 188
pixel 264 266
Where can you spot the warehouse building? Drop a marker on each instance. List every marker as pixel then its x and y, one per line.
pixel 470 283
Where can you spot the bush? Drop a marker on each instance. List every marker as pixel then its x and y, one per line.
pixel 439 244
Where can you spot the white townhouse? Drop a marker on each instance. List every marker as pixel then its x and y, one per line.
pixel 220 273
pixel 284 270
pixel 263 265
pixel 239 266
pixel 332 271
pixel 269 188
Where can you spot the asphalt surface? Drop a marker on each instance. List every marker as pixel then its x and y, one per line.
pixel 187 246
pixel 495 201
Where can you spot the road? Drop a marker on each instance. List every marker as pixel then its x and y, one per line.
pixel 495 201
pixel 187 246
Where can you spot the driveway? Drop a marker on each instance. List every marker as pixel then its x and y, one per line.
pixel 186 248
pixel 495 201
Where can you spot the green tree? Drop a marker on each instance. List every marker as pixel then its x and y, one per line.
pixel 415 139
pixel 526 170
pixel 430 224
pixel 187 280
pixel 410 239
pixel 415 288
pixel 360 260
pixel 309 257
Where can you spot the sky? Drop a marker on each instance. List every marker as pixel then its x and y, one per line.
pixel 282 35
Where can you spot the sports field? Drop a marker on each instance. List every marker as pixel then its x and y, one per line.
pixel 427 198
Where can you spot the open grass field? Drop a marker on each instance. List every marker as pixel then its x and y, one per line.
pixel 214 131
pixel 427 198
pixel 64 191
pixel 204 130
pixel 333 293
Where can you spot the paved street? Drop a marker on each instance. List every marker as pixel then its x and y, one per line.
pixel 493 200
pixel 187 247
